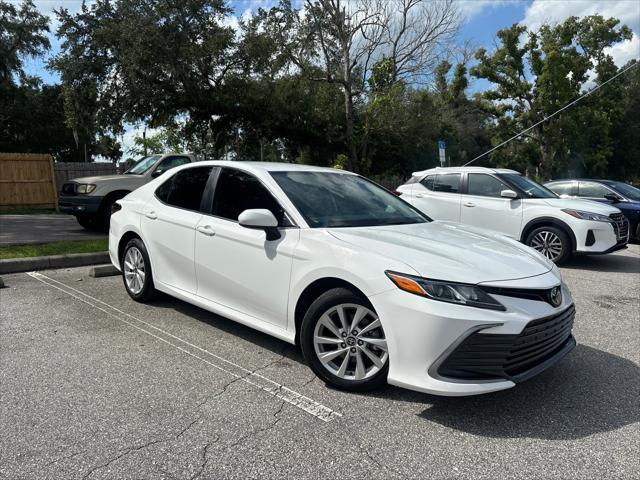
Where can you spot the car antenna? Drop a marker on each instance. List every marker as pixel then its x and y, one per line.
pixel 588 92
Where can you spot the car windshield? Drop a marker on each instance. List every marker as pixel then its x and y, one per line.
pixel 629 191
pixel 327 199
pixel 528 186
pixel 142 165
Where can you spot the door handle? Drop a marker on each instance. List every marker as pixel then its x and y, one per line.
pixel 206 230
pixel 469 204
pixel 150 214
pixel 420 195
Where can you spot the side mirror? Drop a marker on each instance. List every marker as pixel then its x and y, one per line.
pixel 157 173
pixel 262 219
pixel 612 197
pixel 508 194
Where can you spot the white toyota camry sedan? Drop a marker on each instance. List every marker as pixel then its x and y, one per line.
pixel 371 289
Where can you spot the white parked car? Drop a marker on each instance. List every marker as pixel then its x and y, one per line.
pixel 514 205
pixel 370 288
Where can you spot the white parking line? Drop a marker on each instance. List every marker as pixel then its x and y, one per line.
pixel 242 374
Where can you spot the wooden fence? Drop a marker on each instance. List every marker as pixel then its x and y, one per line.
pixel 27 180
pixel 65 171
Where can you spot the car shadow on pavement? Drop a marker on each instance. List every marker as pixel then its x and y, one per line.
pixel 243 332
pixel 589 392
pixel 605 263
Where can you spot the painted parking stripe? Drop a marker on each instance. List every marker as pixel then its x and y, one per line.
pixel 239 372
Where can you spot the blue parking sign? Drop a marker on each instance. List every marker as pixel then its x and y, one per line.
pixel 441 145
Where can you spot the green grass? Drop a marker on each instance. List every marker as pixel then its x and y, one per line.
pixel 57 248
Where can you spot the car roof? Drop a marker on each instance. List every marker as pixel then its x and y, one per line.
pixel 606 182
pixel 464 169
pixel 271 166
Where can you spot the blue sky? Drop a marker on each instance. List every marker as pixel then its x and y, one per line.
pixel 482 19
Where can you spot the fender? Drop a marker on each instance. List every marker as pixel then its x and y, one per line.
pixel 549 221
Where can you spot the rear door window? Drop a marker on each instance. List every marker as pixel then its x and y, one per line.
pixel 447 182
pixel 561 188
pixel 185 189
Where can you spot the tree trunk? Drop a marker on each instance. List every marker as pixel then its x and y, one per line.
pixel 352 160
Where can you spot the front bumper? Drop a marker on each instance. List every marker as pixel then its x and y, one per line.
pixel 599 237
pixel 422 334
pixel 79 204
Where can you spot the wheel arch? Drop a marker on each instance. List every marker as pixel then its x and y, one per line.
pixel 129 235
pixel 548 222
pixel 313 291
pixel 114 195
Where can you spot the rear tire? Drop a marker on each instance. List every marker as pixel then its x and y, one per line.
pixel 136 271
pixel 552 242
pixel 343 341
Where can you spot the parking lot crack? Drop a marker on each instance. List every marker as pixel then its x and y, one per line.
pixel 122 454
pixel 268 427
pixel 205 459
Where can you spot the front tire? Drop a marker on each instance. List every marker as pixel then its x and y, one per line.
pixel 344 343
pixel 88 222
pixel 136 271
pixel 552 242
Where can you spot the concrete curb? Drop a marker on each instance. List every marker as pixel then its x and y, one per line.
pixel 15 265
pixel 103 271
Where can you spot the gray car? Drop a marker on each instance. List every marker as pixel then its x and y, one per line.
pixel 90 199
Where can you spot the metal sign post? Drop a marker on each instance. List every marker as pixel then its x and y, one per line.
pixel 441 147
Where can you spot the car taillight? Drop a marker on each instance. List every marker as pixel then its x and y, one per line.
pixel 116 207
pixel 397 192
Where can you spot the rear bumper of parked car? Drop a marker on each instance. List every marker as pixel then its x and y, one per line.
pixel 433 346
pixel 79 204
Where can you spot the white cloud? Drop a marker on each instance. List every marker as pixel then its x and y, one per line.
pixel 555 11
pixel 471 8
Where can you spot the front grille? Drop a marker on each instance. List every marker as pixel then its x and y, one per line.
pixel 69 188
pixel 620 225
pixel 484 356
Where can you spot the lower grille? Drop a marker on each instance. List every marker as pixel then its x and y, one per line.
pixel 620 225
pixel 69 189
pixel 483 356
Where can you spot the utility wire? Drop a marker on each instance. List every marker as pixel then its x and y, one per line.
pixel 597 87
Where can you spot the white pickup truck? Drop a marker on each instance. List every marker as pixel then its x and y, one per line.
pixel 90 199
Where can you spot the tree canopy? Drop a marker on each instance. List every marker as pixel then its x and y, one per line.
pixel 367 85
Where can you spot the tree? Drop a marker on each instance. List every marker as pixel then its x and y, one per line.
pixel 145 61
pixel 22 33
pixel 347 39
pixel 535 79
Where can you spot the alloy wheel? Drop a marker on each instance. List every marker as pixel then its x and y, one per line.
pixel 547 243
pixel 134 270
pixel 350 343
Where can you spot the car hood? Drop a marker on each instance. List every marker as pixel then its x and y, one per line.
pixel 584 205
pixel 105 178
pixel 449 251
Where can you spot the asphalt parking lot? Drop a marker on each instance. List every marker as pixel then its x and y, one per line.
pixel 94 385
pixel 33 229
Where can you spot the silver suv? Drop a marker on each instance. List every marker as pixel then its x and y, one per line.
pixel 90 199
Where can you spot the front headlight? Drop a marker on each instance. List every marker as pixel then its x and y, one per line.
pixel 86 188
pixel 596 217
pixel 450 292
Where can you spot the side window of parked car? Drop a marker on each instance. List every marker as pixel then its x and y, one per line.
pixel 185 188
pixel 237 191
pixel 428 182
pixel 563 188
pixel 485 185
pixel 591 189
pixel 447 182
pixel 171 162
